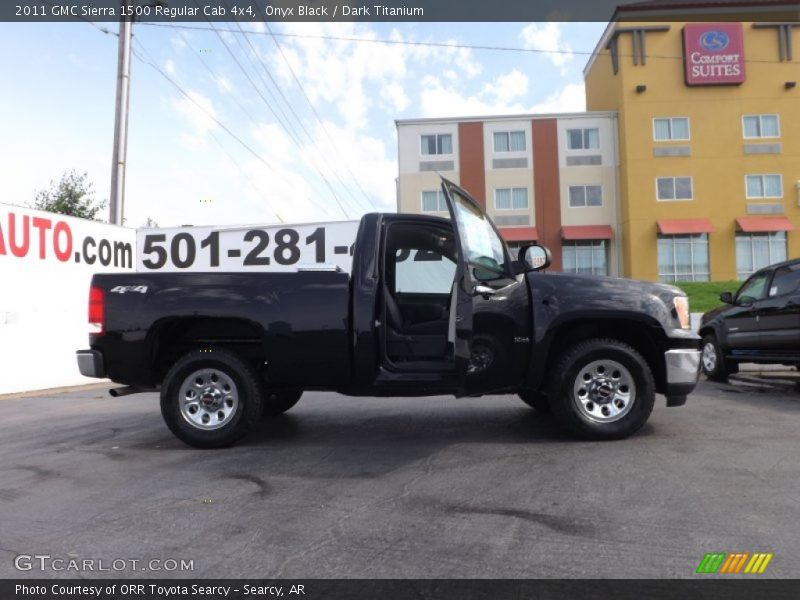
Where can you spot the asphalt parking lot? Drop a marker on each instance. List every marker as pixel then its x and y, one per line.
pixel 410 488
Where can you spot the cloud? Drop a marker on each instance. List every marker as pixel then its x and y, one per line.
pixel 570 98
pixel 547 38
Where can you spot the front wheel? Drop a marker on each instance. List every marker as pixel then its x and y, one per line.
pixel 715 366
pixel 602 389
pixel 211 399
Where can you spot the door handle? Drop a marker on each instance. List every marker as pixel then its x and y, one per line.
pixel 484 290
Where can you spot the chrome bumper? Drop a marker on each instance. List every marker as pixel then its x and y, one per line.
pixel 683 366
pixel 90 363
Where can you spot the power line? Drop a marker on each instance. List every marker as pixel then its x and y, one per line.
pixel 280 122
pixel 440 44
pixel 313 109
pixel 216 139
pixel 221 125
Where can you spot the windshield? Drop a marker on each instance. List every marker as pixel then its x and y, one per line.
pixel 481 244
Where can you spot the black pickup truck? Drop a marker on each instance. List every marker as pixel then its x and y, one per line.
pixel 432 306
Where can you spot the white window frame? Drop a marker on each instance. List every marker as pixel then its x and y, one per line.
pixel 694 273
pixel 673 139
pixel 439 198
pixel 587 205
pixel 763 187
pixel 583 135
pixel 512 188
pixel 593 244
pixel 508 133
pixel 452 145
pixel 743 275
pixel 673 177
pixel 762 137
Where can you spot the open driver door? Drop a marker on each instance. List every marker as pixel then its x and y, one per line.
pixel 489 304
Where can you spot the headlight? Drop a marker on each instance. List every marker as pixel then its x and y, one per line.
pixel 681 304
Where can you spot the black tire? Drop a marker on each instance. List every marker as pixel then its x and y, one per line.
pixel 243 414
pixel 277 403
pixel 568 376
pixel 721 369
pixel 537 400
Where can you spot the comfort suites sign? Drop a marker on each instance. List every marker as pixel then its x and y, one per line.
pixel 713 53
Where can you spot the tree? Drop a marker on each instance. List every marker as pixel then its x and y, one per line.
pixel 150 223
pixel 73 195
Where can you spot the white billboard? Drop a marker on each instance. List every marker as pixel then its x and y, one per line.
pixel 247 248
pixel 46 265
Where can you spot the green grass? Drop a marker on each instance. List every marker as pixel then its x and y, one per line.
pixel 704 295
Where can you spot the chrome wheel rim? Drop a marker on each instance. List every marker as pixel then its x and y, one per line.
pixel 604 391
pixel 709 357
pixel 208 399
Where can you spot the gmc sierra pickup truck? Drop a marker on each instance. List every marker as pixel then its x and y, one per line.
pixel 432 306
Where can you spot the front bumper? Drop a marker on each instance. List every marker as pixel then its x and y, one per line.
pixel 90 363
pixel 683 370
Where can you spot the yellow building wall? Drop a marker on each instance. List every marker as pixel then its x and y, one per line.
pixel 717 163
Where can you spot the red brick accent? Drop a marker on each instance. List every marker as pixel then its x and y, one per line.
pixel 546 186
pixel 472 171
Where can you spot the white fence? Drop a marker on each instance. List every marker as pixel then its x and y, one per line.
pixel 46 264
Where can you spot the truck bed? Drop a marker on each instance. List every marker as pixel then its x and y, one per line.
pixel 299 321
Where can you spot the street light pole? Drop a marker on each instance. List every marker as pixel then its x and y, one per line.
pixel 120 150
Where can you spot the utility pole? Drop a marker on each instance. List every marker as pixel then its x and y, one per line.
pixel 120 150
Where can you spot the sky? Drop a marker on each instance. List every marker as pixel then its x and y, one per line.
pixel 262 129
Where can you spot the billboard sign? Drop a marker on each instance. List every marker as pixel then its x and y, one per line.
pixel 713 53
pixel 247 249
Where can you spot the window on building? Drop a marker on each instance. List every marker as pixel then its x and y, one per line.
pixel 509 141
pixel 683 257
pixel 670 129
pixel 439 143
pixel 764 186
pixel 434 201
pixel 757 250
pixel 585 195
pixel 583 139
pixel 761 126
pixel 674 188
pixel 511 198
pixel 586 256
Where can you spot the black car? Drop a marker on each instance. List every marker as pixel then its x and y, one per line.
pixel 759 324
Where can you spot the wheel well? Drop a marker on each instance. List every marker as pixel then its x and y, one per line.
pixel 649 341
pixel 172 338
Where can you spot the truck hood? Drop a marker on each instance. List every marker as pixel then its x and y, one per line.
pixel 572 293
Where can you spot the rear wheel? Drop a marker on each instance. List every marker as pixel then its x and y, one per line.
pixel 211 399
pixel 278 402
pixel 537 400
pixel 713 360
pixel 602 389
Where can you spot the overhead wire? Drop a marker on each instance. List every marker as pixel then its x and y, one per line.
pixel 299 121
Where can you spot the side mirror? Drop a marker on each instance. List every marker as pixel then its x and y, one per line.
pixel 534 257
pixel 726 297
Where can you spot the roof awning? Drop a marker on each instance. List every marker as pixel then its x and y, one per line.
pixel 763 224
pixel 587 232
pixel 679 226
pixel 519 234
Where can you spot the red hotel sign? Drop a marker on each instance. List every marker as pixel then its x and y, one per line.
pixel 713 53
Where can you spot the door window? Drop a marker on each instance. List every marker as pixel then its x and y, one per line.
pixel 786 280
pixel 423 272
pixel 483 249
pixel 754 288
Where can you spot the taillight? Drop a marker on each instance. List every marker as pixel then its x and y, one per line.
pixel 97 311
